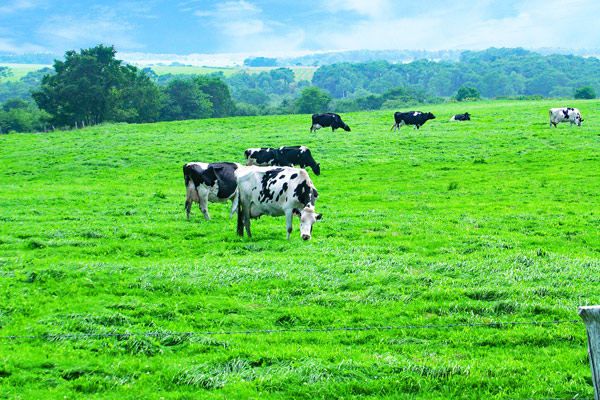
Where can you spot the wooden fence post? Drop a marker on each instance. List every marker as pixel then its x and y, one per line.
pixel 591 317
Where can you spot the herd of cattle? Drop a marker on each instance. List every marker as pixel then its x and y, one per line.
pixel 269 184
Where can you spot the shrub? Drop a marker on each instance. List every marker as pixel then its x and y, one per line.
pixel 585 92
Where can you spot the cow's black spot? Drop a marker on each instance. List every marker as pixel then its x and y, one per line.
pixel 303 193
pixel 268 179
pixel 293 176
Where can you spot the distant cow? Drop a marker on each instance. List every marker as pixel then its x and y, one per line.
pixel 276 191
pixel 415 118
pixel 461 117
pixel 210 182
pixel 285 156
pixel 565 114
pixel 328 119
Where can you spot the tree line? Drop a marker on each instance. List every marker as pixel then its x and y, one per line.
pixel 91 86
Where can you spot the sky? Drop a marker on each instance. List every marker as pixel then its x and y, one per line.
pixel 294 27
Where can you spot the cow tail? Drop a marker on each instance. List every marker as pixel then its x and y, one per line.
pixel 240 219
pixel 185 176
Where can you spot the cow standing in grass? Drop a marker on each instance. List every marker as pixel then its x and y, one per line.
pixel 415 118
pixel 565 114
pixel 213 183
pixel 276 191
pixel 285 156
pixel 328 119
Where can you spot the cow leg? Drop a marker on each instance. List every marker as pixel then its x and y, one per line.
pixel 289 218
pixel 234 202
pixel 188 207
pixel 203 202
pixel 191 195
pixel 246 211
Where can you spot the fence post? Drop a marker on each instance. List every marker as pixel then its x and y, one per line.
pixel 591 317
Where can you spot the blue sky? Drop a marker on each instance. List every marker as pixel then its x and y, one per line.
pixel 259 26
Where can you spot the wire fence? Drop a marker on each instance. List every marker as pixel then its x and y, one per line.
pixel 60 336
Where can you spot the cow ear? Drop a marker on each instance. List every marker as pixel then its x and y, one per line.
pixel 296 212
pixel 319 216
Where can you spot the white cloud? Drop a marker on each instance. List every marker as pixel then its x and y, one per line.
pixel 370 8
pixel 10 46
pixel 532 23
pixel 20 5
pixel 70 32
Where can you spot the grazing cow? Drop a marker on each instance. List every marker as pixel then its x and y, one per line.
pixel 415 118
pixel 565 114
pixel 210 182
pixel 285 156
pixel 461 117
pixel 328 119
pixel 276 191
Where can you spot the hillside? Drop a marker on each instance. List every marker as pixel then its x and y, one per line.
pixel 493 220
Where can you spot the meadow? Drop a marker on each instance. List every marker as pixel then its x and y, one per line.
pixel 20 70
pixel 492 220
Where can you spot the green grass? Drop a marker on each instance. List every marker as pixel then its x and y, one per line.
pixel 20 70
pixel 490 220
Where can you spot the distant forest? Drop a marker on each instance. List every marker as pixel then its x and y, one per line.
pixel 338 87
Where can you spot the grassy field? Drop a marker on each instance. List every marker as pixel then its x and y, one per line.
pixel 20 70
pixel 491 220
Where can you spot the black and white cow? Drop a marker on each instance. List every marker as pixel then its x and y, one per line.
pixel 415 118
pixel 285 156
pixel 461 117
pixel 276 191
pixel 565 114
pixel 328 119
pixel 210 182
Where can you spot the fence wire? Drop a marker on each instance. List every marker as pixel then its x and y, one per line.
pixel 285 330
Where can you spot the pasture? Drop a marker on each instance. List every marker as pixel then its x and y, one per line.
pixel 492 220
pixel 20 70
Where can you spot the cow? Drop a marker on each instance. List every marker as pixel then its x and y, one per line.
pixel 285 156
pixel 276 191
pixel 565 114
pixel 415 118
pixel 461 117
pixel 210 182
pixel 328 119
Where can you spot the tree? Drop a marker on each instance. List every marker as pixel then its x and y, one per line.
pixel 17 115
pixel 88 86
pixel 313 100
pixel 185 101
pixel 140 101
pixel 466 93
pixel 5 72
pixel 284 74
pixel 585 92
pixel 218 94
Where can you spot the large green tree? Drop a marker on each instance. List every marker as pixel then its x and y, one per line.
pixel 184 100
pixel 90 87
pixel 313 100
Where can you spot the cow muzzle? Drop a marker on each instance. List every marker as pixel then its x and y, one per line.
pixel 305 236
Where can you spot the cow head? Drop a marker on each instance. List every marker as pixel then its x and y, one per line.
pixel 316 168
pixel 346 128
pixel 430 116
pixel 308 217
